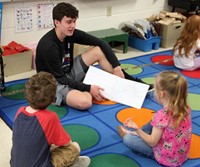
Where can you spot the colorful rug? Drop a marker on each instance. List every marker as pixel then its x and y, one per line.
pixel 95 129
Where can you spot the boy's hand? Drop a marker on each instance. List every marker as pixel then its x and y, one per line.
pixel 96 93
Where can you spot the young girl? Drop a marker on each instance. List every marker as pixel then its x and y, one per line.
pixel 187 45
pixel 167 138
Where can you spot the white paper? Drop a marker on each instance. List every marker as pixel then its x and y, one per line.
pixel 44 12
pixel 23 19
pixel 117 89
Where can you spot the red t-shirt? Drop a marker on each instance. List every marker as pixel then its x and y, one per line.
pixel 33 133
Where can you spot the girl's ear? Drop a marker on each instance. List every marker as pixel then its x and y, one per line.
pixel 161 94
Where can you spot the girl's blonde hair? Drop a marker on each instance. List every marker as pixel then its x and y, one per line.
pixel 175 85
pixel 189 35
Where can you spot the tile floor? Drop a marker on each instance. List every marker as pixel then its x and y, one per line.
pixel 6 133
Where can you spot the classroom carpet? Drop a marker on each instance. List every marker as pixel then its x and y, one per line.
pixel 96 129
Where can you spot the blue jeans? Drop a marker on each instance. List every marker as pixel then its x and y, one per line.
pixel 137 144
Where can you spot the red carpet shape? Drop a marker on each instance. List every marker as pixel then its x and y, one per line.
pixel 192 74
pixel 163 59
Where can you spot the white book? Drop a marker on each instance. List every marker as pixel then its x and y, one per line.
pixel 117 89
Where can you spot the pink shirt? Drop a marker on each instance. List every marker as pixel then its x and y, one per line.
pixel 173 147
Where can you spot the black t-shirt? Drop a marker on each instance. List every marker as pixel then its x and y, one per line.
pixel 51 52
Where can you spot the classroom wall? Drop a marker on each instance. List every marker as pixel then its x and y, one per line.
pixel 92 16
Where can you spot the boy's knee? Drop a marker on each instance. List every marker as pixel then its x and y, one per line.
pixel 81 101
pixel 84 104
pixel 97 48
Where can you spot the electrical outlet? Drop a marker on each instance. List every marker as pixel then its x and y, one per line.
pixel 109 11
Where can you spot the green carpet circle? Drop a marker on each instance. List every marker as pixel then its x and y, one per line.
pixel 149 80
pixel 131 71
pixel 15 92
pixel 85 136
pixel 193 100
pixel 112 160
pixel 61 111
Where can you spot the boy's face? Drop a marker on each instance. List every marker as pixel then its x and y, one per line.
pixel 66 26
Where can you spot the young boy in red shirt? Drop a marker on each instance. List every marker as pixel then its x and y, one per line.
pixel 38 136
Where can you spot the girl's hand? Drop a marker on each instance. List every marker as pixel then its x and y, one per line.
pixel 131 124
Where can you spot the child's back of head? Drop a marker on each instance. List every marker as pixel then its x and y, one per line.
pixel 175 86
pixel 40 90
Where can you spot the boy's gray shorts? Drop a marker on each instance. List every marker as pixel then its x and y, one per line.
pixel 77 73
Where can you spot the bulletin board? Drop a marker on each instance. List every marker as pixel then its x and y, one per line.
pixel 23 19
pixel 44 15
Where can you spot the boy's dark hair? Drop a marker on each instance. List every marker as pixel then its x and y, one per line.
pixel 64 9
pixel 40 90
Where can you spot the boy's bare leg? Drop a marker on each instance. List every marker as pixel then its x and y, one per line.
pixel 95 55
pixel 79 100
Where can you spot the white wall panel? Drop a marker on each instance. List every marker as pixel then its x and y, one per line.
pixel 92 16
